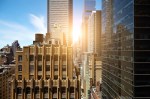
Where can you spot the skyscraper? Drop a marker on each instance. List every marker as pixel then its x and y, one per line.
pixel 60 17
pixel 126 49
pixel 89 6
pixel 94 32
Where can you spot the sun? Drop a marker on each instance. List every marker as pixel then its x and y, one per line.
pixel 76 33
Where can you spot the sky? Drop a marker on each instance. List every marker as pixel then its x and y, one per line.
pixel 21 19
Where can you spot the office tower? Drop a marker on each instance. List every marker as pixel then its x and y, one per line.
pixel 126 49
pixel 6 73
pixel 60 17
pixel 89 6
pixel 45 71
pixel 94 32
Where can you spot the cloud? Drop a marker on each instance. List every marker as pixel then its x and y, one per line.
pixel 11 31
pixel 38 22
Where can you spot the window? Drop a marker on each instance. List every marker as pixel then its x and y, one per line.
pixel 31 58
pixel 50 42
pixel 31 68
pixel 47 67
pixel 19 77
pixel 39 57
pixel 19 67
pixel 28 90
pixel 39 77
pixel 36 90
pixel 19 91
pixel 19 57
pixel 55 77
pixel 47 77
pixel 47 57
pixel 39 67
pixel 45 90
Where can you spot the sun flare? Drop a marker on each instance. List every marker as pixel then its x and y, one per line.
pixel 76 33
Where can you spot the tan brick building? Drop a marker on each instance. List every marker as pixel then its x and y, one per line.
pixel 45 71
pixel 6 74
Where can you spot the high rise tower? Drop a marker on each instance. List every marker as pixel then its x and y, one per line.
pixel 60 17
pixel 94 32
pixel 89 6
pixel 126 49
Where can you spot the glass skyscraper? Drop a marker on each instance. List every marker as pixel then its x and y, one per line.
pixel 89 6
pixel 126 49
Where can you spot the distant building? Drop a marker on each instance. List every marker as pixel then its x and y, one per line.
pixel 45 71
pixel 94 32
pixel 6 73
pixel 60 19
pixel 126 49
pixel 7 53
pixel 15 46
pixel 89 6
pixel 95 68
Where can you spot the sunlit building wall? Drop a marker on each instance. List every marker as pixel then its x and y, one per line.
pixel 45 71
pixel 60 17
pixel 89 6
pixel 6 73
pixel 94 32
pixel 126 50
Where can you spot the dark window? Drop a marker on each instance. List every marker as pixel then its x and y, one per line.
pixel 55 77
pixel 47 67
pixel 20 68
pixel 36 90
pixel 19 90
pixel 28 90
pixel 39 67
pixel 19 77
pixel 142 44
pixel 47 77
pixel 39 77
pixel 31 68
pixel 31 58
pixel 45 90
pixel 39 57
pixel 141 56
pixel 47 57
pixel 19 57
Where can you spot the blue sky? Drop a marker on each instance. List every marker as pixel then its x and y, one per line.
pixel 21 19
